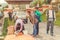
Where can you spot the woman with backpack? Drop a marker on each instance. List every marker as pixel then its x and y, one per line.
pixel 37 14
pixel 34 16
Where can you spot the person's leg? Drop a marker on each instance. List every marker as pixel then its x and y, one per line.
pixel 48 24
pixel 35 29
pixel 52 26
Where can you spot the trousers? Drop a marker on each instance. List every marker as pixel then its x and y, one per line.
pixel 50 26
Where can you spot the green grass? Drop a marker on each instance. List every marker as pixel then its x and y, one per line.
pixel 57 19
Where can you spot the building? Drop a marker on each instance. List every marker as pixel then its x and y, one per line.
pixel 21 4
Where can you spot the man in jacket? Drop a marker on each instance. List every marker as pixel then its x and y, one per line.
pixel 50 19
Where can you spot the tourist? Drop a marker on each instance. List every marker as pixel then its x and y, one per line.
pixel 37 18
pixel 19 26
pixel 50 19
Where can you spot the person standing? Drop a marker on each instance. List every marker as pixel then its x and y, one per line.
pixel 33 20
pixel 50 19
pixel 37 17
pixel 34 17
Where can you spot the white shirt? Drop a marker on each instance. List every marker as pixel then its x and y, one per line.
pixel 50 14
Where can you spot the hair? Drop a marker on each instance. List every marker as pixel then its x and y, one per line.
pixel 29 11
pixel 36 7
pixel 18 24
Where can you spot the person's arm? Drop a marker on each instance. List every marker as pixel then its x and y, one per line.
pixel 21 28
pixel 54 15
pixel 46 12
pixel 22 25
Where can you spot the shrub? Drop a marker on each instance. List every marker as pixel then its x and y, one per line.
pixel 5 26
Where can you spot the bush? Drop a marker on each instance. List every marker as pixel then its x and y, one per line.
pixel 7 23
pixel 57 19
pixel 5 26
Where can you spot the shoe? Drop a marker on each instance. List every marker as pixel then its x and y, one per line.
pixel 47 33
pixel 37 36
pixel 52 34
pixel 32 35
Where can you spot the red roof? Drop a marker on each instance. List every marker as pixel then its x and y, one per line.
pixel 19 0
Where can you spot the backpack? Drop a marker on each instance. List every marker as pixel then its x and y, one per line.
pixel 38 15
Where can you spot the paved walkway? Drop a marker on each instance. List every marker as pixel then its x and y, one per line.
pixel 42 32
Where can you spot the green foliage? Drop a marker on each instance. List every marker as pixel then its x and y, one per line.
pixel 7 23
pixel 44 17
pixel 10 22
pixel 5 26
pixel 34 3
pixel 57 19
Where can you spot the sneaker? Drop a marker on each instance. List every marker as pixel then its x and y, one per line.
pixel 37 36
pixel 52 34
pixel 47 32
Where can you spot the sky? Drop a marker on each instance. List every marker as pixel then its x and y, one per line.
pixel 2 1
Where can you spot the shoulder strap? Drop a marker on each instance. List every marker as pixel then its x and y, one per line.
pixel 53 13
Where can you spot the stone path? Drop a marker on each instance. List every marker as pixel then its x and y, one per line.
pixel 42 32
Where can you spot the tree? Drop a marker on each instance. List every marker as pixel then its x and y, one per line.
pixel 47 1
pixel 35 2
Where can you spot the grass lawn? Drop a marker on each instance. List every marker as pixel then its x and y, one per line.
pixel 57 22
pixel 57 19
